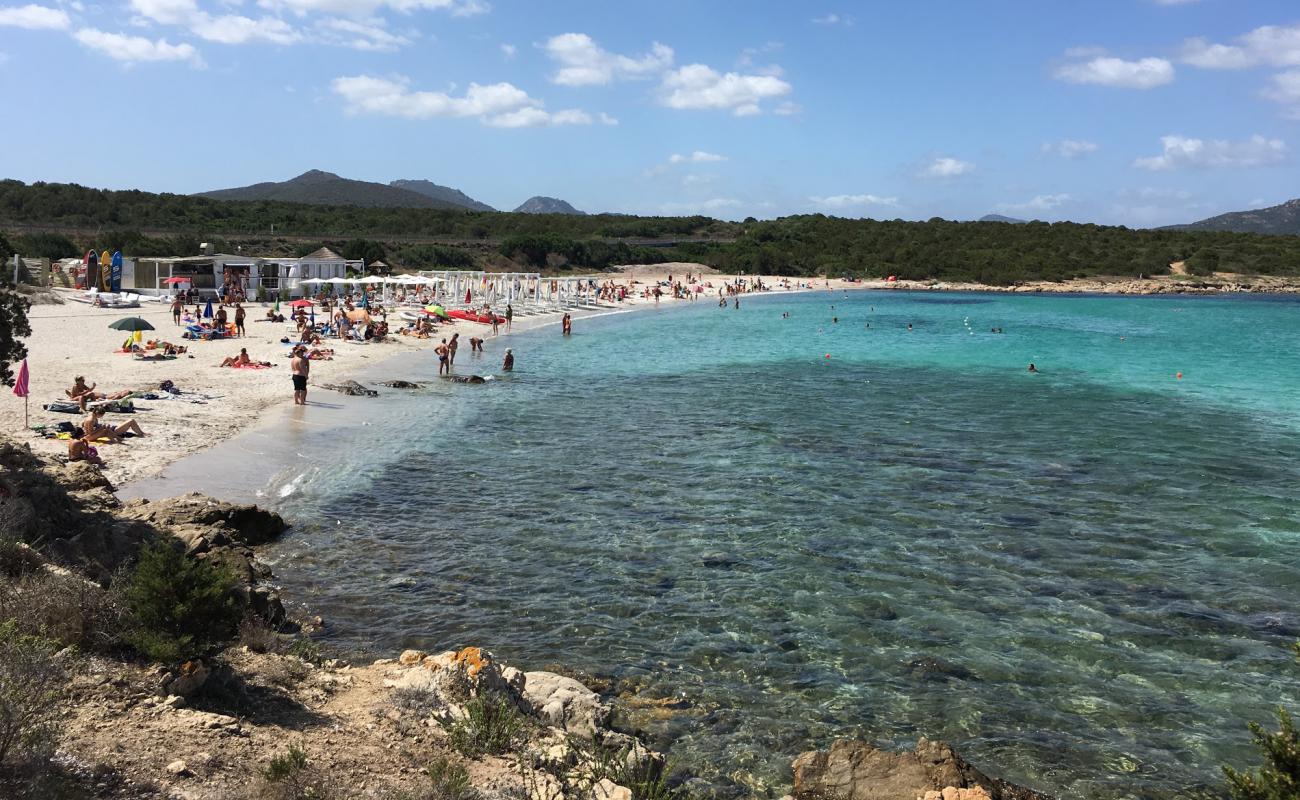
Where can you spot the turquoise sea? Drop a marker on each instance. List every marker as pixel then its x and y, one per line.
pixel 1087 580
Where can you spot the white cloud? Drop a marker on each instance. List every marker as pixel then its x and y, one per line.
pixel 168 12
pixel 1146 73
pixel 833 19
pixel 788 109
pixel 34 17
pixel 1271 45
pixel 509 50
pixel 946 167
pixel 367 8
pixel 500 105
pixel 236 29
pixel 851 200
pixel 365 36
pixel 1183 152
pixel 696 86
pixel 1285 91
pixel 697 157
pixel 1154 193
pixel 583 62
pixel 700 206
pixel 1070 148
pixel 136 48
pixel 1042 202
pixel 605 119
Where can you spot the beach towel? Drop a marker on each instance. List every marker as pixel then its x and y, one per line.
pixel 155 357
pixel 251 366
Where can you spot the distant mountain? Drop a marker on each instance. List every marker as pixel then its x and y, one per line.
pixel 547 205
pixel 1000 218
pixel 445 194
pixel 1283 219
pixel 326 188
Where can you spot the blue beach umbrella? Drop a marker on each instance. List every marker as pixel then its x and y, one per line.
pixel 207 311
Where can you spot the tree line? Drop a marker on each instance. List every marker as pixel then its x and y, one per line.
pixel 993 253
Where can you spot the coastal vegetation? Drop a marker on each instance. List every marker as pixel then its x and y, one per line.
pixel 59 220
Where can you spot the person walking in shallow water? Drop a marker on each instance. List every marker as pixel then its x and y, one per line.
pixel 451 351
pixel 441 350
pixel 508 363
pixel 510 315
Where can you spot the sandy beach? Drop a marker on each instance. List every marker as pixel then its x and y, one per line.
pixel 71 339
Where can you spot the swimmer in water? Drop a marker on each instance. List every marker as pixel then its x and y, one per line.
pixel 909 326
pixel 835 320
pixel 1032 368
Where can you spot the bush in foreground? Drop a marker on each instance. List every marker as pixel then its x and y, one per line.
pixel 292 777
pixel 30 681
pixel 183 607
pixel 492 726
pixel 1279 778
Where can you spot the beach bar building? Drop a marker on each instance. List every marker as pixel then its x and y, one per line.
pixel 208 274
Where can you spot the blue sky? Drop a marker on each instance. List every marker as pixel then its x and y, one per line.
pixel 1137 112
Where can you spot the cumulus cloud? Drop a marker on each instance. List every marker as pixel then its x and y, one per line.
pixel 508 50
pixel 367 8
pixel 697 157
pixel 1145 73
pixel 1181 152
pixel 500 105
pixel 136 48
pixel 947 167
pixel 697 86
pixel 852 200
pixel 584 63
pixel 34 17
pixel 1285 90
pixel 1070 148
pixel 1042 202
pixel 1269 45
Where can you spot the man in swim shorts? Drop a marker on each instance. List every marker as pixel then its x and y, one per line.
pixel 301 368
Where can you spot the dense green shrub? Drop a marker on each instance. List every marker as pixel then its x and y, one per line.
pixel 30 684
pixel 183 607
pixel 492 726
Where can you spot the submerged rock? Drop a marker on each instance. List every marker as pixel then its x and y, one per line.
pixel 466 378
pixel 853 770
pixel 351 388
pixel 400 384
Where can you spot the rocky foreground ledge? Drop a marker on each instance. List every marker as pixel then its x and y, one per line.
pixel 272 718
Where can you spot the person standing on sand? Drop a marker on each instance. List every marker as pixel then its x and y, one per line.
pixel 508 364
pixel 495 320
pixel 176 310
pixel 510 315
pixel 451 351
pixel 240 313
pixel 301 368
pixel 441 350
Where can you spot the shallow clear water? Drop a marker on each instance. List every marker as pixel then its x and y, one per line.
pixel 1100 561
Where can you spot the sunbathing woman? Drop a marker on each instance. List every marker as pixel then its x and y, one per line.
pixel 241 360
pixel 321 354
pixel 80 450
pixel 94 430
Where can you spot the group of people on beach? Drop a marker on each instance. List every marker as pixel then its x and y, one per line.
pixel 81 447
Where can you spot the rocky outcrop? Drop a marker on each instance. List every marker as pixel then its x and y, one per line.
pixel 852 770
pixel 565 703
pixel 70 511
pixel 400 384
pixel 244 524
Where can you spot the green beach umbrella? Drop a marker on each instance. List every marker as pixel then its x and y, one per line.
pixel 131 324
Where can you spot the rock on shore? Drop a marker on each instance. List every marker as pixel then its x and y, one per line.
pixel 853 770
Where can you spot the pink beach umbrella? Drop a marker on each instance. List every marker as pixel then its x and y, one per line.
pixel 22 388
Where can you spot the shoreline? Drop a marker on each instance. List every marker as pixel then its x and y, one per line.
pixel 70 339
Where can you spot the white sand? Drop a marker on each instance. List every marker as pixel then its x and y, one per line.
pixel 74 339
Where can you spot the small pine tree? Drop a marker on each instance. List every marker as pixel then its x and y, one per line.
pixel 183 607
pixel 1279 778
